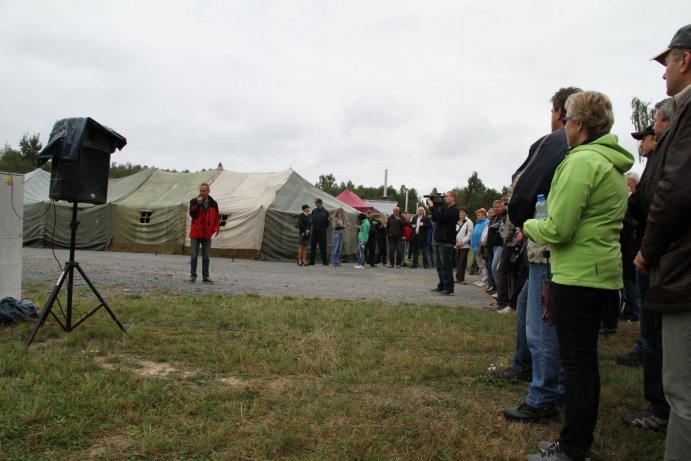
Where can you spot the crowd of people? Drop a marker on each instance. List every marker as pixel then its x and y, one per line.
pixel 576 242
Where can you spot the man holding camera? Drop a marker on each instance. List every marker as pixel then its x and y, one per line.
pixel 205 223
pixel 445 215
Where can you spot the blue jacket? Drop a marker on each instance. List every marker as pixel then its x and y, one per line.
pixel 477 233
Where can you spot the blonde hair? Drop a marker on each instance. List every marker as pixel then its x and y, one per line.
pixel 338 214
pixel 593 109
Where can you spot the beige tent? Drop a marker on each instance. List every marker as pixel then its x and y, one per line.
pixel 153 217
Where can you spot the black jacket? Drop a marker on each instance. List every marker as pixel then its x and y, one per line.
pixel 665 198
pixel 320 218
pixel 445 219
pixel 536 175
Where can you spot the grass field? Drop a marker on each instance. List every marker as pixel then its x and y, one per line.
pixel 252 378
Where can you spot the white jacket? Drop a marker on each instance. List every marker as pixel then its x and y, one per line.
pixel 464 230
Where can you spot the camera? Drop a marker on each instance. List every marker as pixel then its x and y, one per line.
pixel 437 199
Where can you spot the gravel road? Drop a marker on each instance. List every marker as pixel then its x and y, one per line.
pixel 144 272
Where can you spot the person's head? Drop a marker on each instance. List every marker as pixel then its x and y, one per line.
pixel 319 203
pixel 663 114
pixel 588 114
pixel 632 179
pixel 646 139
pixel 558 101
pixel 362 217
pixel 498 206
pixel 462 212
pixel 677 61
pixel 481 213
pixel 204 190
pixel 450 197
pixel 490 213
pixel 369 214
pixel 338 214
pixel 305 208
pixel 420 211
pixel 396 211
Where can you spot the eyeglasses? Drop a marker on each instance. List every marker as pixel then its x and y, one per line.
pixel 565 118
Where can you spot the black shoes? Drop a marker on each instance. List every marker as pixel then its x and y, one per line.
pixel 629 360
pixel 511 375
pixel 445 293
pixel 646 420
pixel 524 413
pixel 193 279
pixel 207 280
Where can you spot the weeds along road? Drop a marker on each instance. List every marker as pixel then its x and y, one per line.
pixel 147 272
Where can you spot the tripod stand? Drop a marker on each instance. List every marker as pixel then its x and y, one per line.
pixel 68 274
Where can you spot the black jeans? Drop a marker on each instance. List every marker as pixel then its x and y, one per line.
pixel 651 339
pixel 318 237
pixel 578 313
pixel 461 263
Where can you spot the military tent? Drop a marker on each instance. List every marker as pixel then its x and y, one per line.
pixel 153 217
pixel 47 222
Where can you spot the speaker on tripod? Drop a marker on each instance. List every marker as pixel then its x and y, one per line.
pixel 80 151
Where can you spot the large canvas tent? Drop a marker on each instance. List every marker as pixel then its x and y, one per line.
pixel 259 212
pixel 153 217
pixel 47 224
pixel 148 212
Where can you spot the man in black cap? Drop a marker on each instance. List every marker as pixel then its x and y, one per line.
pixel 320 222
pixel 646 139
pixel 665 195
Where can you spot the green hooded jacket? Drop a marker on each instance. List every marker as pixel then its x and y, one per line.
pixel 587 203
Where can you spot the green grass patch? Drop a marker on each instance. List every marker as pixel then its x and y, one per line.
pixel 220 377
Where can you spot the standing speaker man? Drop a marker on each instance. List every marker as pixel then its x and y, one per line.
pixel 205 224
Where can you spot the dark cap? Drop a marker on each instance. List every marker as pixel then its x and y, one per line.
pixel 682 39
pixel 639 135
pixel 304 207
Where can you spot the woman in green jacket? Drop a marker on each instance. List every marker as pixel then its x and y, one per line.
pixel 587 203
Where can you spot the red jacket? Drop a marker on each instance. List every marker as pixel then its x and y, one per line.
pixel 205 222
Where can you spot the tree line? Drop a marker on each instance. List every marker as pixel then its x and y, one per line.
pixel 25 159
pixel 474 195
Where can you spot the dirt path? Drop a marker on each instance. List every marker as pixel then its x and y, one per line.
pixel 142 272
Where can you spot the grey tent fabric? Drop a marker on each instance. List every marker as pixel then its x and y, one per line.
pixel 148 211
pixel 153 218
pixel 279 242
pixel 48 224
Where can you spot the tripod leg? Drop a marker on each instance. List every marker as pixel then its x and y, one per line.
pixel 100 298
pixel 49 304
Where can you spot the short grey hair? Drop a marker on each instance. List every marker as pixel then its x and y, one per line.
pixel 665 108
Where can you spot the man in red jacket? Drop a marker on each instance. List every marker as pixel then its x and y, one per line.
pixel 205 224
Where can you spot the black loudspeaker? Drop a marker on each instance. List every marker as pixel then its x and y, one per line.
pixel 80 151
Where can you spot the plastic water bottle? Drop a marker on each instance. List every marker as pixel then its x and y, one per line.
pixel 541 207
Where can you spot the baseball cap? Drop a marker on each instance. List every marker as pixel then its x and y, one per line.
pixel 639 135
pixel 304 207
pixel 682 39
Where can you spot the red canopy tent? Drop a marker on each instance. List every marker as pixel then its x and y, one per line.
pixel 356 202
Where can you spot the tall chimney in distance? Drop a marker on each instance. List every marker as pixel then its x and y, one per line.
pixel 386 174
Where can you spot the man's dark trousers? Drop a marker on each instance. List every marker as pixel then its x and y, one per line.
pixel 318 236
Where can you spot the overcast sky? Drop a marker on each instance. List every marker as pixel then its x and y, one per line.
pixel 431 91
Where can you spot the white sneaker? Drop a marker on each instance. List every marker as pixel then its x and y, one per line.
pixel 481 284
pixel 359 267
pixel 495 296
pixel 506 310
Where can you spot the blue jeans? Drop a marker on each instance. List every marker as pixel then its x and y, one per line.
pixel 496 257
pixel 361 246
pixel 337 240
pixel 444 255
pixel 522 360
pixel 194 251
pixel 543 343
pixel 395 249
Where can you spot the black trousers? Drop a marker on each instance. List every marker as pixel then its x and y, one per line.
pixel 318 237
pixel 461 263
pixel 578 313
